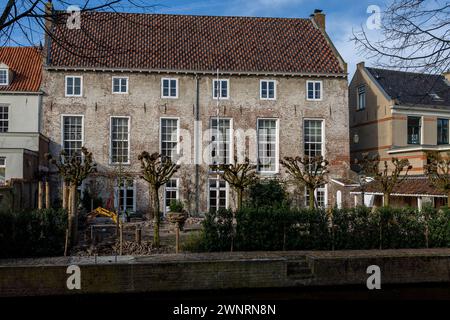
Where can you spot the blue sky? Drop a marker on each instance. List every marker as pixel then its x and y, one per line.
pixel 341 15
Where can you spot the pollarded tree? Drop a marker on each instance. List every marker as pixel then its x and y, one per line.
pixel 156 170
pixel 307 171
pixel 437 170
pixel 386 178
pixel 238 175
pixel 74 170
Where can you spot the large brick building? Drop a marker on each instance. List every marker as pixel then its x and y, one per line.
pixel 158 82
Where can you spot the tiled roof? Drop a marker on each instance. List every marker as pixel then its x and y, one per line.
pixel 26 64
pixel 413 88
pixel 418 185
pixel 202 43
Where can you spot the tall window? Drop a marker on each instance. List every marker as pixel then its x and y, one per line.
pixel 2 170
pixel 361 97
pixel 72 135
pixel 442 131
pixel 267 145
pixel 217 194
pixel 169 88
pixel 4 77
pixel 320 195
pixel 220 89
pixel 4 119
pixel 268 91
pixel 171 193
pixel 220 141
pixel 120 143
pixel 314 90
pixel 74 86
pixel 313 138
pixel 125 195
pixel 169 138
pixel 414 130
pixel 119 85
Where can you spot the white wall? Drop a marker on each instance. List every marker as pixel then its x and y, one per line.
pixel 23 112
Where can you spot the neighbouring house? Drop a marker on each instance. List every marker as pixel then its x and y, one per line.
pixel 184 86
pixel 22 146
pixel 403 115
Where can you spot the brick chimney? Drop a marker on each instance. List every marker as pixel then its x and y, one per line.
pixel 319 18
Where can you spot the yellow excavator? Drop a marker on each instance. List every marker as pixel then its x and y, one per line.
pixel 102 212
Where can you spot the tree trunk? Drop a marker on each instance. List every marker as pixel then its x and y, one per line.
pixel 155 217
pixel 65 195
pixel 448 199
pixel 47 194
pixel 40 191
pixel 386 199
pixel 73 216
pixel 311 198
pixel 239 199
pixel 151 216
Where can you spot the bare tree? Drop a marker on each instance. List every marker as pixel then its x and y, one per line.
pixel 309 172
pixel 74 170
pixel 413 35
pixel 437 170
pixel 238 175
pixel 157 171
pixel 386 178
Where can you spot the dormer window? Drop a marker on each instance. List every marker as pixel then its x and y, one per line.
pixel 4 77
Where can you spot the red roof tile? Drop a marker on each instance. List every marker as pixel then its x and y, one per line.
pixel 26 64
pixel 202 43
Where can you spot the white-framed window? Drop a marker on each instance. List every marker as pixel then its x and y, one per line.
pixel 268 90
pixel 4 118
pixel 169 88
pixel 169 137
pixel 4 75
pixel 221 88
pixel 72 134
pixel 125 195
pixel 120 140
pixel 2 170
pixel 361 97
pixel 314 90
pixel 313 137
pixel 217 194
pixel 171 193
pixel 267 135
pixel 320 195
pixel 74 86
pixel 221 133
pixel 120 85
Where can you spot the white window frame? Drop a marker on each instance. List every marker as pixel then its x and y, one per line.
pixel 314 90
pixel 177 191
pixel 81 86
pixel 6 70
pixel 277 148
pixel 116 195
pixel 325 198
pixel 220 89
pixel 274 89
pixel 227 193
pixel 120 85
pixel 323 149
pixel 178 133
pixel 358 105
pixel 7 119
pixel 3 165
pixel 110 140
pixel 162 88
pixel 62 128
pixel 230 143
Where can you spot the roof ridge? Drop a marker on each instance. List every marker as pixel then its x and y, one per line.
pixel 406 72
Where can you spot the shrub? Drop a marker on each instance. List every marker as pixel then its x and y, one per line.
pixel 266 193
pixel 32 233
pixel 217 230
pixel 176 206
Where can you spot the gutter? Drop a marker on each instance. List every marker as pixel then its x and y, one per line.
pixel 31 93
pixel 400 194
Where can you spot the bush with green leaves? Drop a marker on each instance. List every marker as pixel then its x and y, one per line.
pixel 176 206
pixel 266 193
pixel 32 233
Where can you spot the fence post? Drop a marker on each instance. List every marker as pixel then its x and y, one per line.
pixel 40 190
pixel 47 194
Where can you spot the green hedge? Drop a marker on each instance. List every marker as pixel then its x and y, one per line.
pixel 283 228
pixel 32 233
